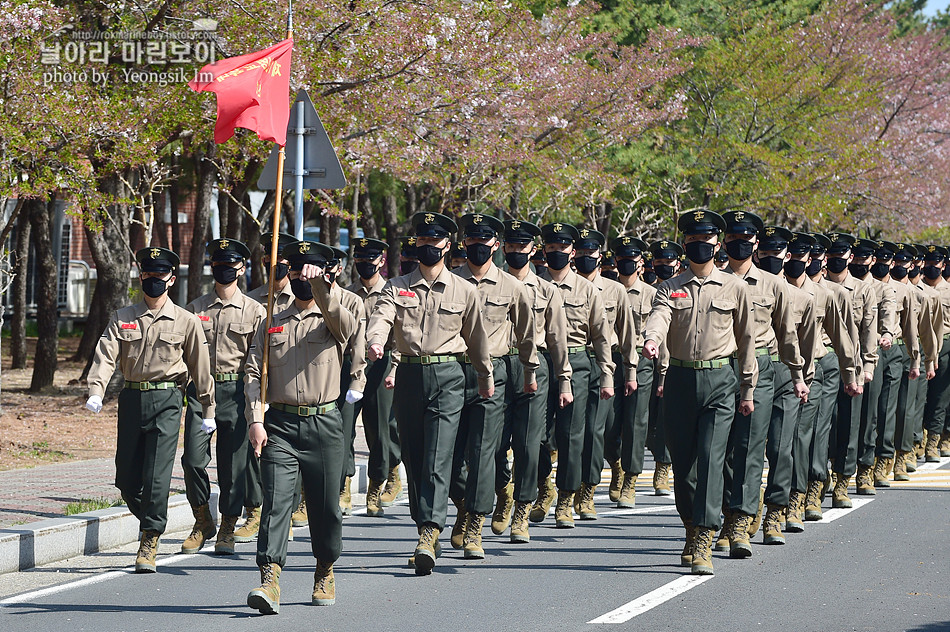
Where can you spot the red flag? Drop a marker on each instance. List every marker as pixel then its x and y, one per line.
pixel 252 92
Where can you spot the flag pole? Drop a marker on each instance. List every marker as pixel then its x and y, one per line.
pixel 274 240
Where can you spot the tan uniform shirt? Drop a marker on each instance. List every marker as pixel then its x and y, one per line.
pixel 930 329
pixel 550 326
pixel 356 346
pixel 370 296
pixel 162 346
pixel 864 307
pixel 802 307
pixel 706 319
pixel 774 328
pixel 506 315
pixel 887 308
pixel 943 291
pixel 620 325
pixel 282 301
pixel 305 357
pixel 587 321
pixel 835 324
pixel 437 318
pixel 640 297
pixel 229 327
pixel 907 318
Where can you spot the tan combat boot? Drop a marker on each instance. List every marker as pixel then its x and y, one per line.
pixel 756 521
pixel 686 557
pixel 426 549
pixel 473 537
pixel 702 563
pixel 919 449
pixel 299 518
pixel 203 530
pixel 628 492
pixel 772 525
pixel 393 487
pixel 739 545
pixel 616 481
pixel 813 501
pixel 224 545
pixel 864 481
pixel 266 597
pixel 932 449
pixel 374 506
pixel 729 519
pixel 839 497
pixel 661 480
pixel 944 444
pixel 584 502
pixel 563 513
pixel 882 468
pixel 546 497
pixel 900 466
pixel 324 588
pixel 346 498
pixel 458 529
pixel 247 532
pixel 148 551
pixel 910 460
pixel 519 523
pixel 795 521
pixel 504 503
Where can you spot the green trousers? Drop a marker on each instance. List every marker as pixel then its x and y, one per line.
pixel 569 424
pixel 884 435
pixel 820 448
pixel 805 430
pixel 231 449
pixel 656 431
pixel 783 422
pixel 845 427
pixel 476 443
pixel 523 431
pixel 145 452
pixel 938 394
pixel 920 402
pixel 745 451
pixel 379 423
pixel 348 413
pixel 428 402
pixel 549 440
pixel 908 404
pixel 253 496
pixel 880 404
pixel 595 423
pixel 310 449
pixel 700 406
pixel 626 434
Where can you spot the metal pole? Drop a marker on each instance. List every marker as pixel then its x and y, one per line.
pixel 298 174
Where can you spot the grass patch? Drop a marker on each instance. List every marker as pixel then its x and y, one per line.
pixel 39 450
pixel 86 505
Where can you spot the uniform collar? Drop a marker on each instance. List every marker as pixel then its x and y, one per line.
pixel 752 273
pixel 717 276
pixel 569 282
pixel 491 276
pixel 416 279
pixel 236 299
pixel 166 311
pixel 376 289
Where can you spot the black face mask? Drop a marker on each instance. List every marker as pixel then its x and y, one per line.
pixel 610 274
pixel 224 275
pixel 700 252
pixel 301 289
pixel 627 267
pixel 366 269
pixel 931 272
pixel 280 271
pixel 664 272
pixel 836 265
pixel 772 265
pixel 557 260
pixel 516 260
pixel 898 272
pixel 407 267
pixel 585 264
pixel 794 269
pixel 739 249
pixel 428 255
pixel 478 254
pixel 649 277
pixel 880 270
pixel 914 272
pixel 858 269
pixel 154 286
pixel 946 273
pixel 814 267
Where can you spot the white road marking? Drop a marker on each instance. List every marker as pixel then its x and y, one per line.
pixel 652 599
pixel 833 514
pixel 928 467
pixel 638 510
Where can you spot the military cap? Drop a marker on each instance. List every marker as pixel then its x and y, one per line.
pixel 303 252
pixel 921 251
pixel 433 225
pixel 608 260
pixel 519 232
pixel 801 243
pixel 822 244
pixel 480 226
pixel 283 240
pixel 338 254
pixel 457 251
pixel 626 246
pixel 721 256
pixel 407 246
pixel 904 252
pixel 538 258
pixel 559 233
pixel 935 253
pixel 742 223
pixel 665 249
pixel 228 250
pixel 590 239
pixel 701 222
pixel 647 258
pixel 864 248
pixel 368 248
pixel 157 260
pixel 774 238
pixel 840 242
pixel 885 250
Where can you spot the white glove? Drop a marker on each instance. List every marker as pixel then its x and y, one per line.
pixel 353 396
pixel 94 403
pixel 208 425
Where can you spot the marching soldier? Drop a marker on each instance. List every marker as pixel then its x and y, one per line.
pixel 540 264
pixel 229 320
pixel 508 319
pixel 608 266
pixel 301 434
pixel 704 316
pixel 457 256
pixel 379 423
pixel 434 317
pixel 938 389
pixel 408 260
pixel 156 345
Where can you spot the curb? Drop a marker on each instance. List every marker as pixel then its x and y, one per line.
pixel 56 539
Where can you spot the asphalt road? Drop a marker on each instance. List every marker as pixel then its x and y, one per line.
pixel 881 566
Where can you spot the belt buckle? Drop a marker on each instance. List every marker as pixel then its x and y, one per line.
pixel 303 411
pixel 425 360
pixel 145 386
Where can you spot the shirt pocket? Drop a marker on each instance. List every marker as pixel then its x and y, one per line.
pixel 130 343
pixel 721 312
pixel 610 307
pixel 762 307
pixel 168 346
pixel 575 309
pixel 319 346
pixel 496 309
pixel 450 316
pixel 681 313
pixel 279 349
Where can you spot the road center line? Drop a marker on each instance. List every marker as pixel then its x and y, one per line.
pixel 833 514
pixel 652 599
pixel 641 510
pixel 929 467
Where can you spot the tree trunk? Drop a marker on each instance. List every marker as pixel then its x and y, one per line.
pixel 47 316
pixel 367 219
pixel 224 209
pixel 20 271
pixel 391 220
pixel 206 179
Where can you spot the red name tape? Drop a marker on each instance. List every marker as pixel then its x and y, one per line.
pixel 407 293
pixel 679 295
pixel 204 318
pixel 275 330
pixel 129 326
